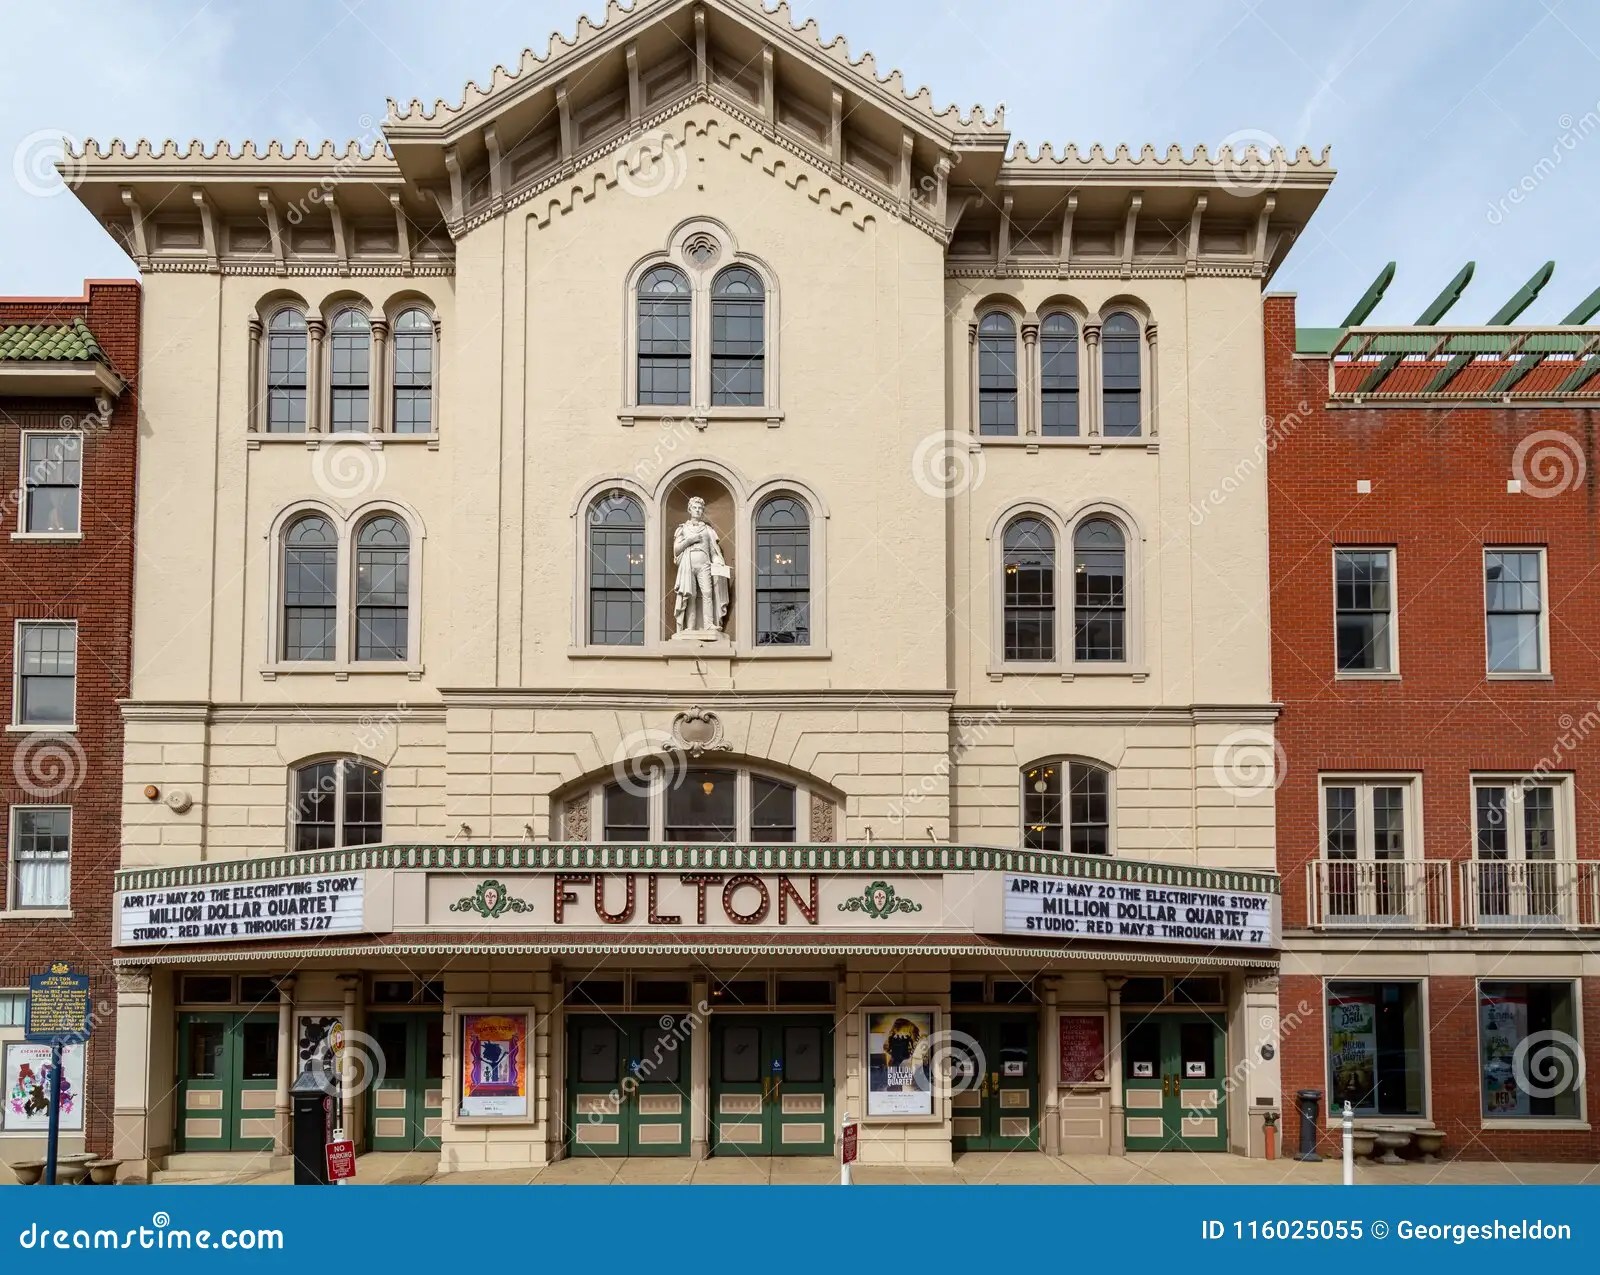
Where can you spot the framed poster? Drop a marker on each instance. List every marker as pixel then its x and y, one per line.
pixel 494 1063
pixel 319 1045
pixel 26 1088
pixel 899 1045
pixel 1083 1049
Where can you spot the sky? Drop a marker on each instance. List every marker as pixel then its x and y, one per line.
pixel 1462 130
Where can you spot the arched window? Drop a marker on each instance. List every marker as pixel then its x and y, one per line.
pixel 1066 805
pixel 338 802
pixel 1030 590
pixel 286 373
pixel 783 573
pixel 383 589
pixel 413 373
pixel 1119 361
pixel 738 338
pixel 997 374
pixel 616 571
pixel 701 804
pixel 350 373
pixel 1100 602
pixel 310 592
pixel 1058 376
pixel 665 366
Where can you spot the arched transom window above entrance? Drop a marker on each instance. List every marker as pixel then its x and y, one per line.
pixel 675 799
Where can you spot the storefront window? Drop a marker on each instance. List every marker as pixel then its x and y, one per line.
pixel 1375 1048
pixel 1531 1061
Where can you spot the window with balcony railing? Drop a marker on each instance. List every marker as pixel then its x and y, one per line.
pixel 1522 872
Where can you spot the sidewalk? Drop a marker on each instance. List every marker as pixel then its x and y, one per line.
pixel 974 1169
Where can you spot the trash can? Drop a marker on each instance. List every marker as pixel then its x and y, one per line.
pixel 1310 1103
pixel 311 1125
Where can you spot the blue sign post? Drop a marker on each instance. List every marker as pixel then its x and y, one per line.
pixel 58 1015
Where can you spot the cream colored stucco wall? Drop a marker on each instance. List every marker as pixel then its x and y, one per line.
pixel 873 354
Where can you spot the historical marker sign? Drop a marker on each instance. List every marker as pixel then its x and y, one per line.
pixel 58 1006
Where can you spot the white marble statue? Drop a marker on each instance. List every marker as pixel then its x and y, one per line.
pixel 701 587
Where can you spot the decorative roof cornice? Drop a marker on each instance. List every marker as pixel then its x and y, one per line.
pixel 621 20
pixel 260 159
pixel 1246 168
pixel 927 857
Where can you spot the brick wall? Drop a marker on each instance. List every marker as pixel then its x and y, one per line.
pixel 91 581
pixel 1455 1087
pixel 1438 496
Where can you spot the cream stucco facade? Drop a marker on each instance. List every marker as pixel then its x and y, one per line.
pixel 519 225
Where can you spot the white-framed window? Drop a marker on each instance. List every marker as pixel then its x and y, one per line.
pixel 335 802
pixel 1530 1050
pixel 1099 630
pixel 414 408
pixel 702 328
pixel 1067 805
pixel 52 483
pixel 1371 829
pixel 45 674
pixel 286 361
pixel 1516 609
pixel 346 590
pixel 1522 837
pixel 1365 640
pixel 41 857
pixel 13 1009
pixel 662 800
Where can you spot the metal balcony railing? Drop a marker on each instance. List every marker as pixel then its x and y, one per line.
pixel 1531 893
pixel 1389 893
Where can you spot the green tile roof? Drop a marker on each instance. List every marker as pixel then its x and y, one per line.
pixel 50 343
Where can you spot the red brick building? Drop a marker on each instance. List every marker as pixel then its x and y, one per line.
pixel 1435 547
pixel 68 438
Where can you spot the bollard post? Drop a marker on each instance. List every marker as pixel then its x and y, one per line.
pixel 1310 1104
pixel 1349 1145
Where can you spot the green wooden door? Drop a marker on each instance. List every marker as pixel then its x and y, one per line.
pixel 995 1082
pixel 227 1081
pixel 628 1084
pixel 1174 1098
pixel 406 1106
pixel 772 1085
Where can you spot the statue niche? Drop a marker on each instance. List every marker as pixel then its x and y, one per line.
pixel 700 569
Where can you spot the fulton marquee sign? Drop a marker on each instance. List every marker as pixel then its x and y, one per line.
pixel 589 890
pixel 1139 912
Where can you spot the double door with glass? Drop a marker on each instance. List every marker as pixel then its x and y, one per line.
pixel 772 1085
pixel 227 1081
pixel 994 1082
pixel 1173 1070
pixel 407 1102
pixel 628 1084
